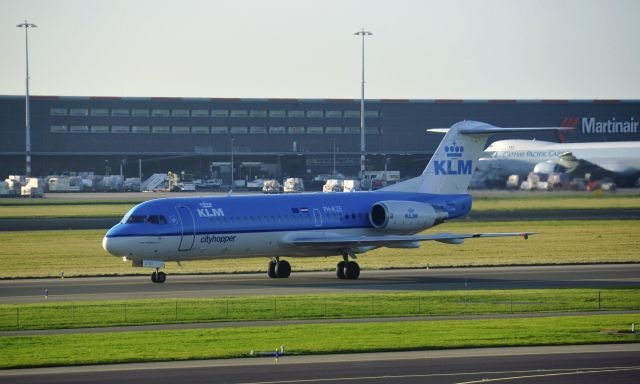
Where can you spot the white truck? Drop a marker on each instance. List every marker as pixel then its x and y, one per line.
pixel 379 179
pixel 33 188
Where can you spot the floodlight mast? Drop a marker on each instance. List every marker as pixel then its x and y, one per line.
pixel 362 33
pixel 26 25
pixel 232 144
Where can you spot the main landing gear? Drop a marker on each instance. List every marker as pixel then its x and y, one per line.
pixel 158 277
pixel 347 269
pixel 279 269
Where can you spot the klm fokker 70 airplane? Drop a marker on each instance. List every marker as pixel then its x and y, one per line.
pixel 315 224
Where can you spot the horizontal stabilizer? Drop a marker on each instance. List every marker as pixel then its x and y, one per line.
pixel 490 129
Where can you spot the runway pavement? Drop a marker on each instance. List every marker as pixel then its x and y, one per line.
pixel 610 363
pixel 204 286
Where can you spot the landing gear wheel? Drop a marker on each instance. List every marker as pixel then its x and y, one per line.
pixel 154 277
pixel 161 277
pixel 340 270
pixel 271 270
pixel 283 269
pixel 352 270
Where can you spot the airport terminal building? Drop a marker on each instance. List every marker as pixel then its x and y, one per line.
pixel 271 137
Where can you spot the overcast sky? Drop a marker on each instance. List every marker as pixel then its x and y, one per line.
pixel 511 49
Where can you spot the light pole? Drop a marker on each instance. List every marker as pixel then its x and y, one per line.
pixel 26 25
pixel 232 142
pixel 362 33
pixel 334 157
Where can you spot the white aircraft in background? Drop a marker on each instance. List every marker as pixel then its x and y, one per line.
pixel 519 157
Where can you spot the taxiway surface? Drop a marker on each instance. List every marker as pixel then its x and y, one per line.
pixel 204 286
pixel 616 363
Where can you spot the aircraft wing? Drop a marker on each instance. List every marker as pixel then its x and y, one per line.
pixel 391 240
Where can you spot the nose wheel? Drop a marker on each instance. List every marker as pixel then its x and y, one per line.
pixel 158 277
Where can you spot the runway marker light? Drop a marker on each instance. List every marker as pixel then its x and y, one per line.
pixel 46 293
pixel 633 327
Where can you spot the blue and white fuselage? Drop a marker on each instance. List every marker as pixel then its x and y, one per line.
pixel 194 228
pixel 318 224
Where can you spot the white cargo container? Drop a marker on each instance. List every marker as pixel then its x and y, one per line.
pixel 59 184
pixel 293 185
pixel 13 186
pixel 350 185
pixel 333 185
pixel 271 186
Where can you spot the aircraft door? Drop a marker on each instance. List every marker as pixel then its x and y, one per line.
pixel 188 228
pixel 317 217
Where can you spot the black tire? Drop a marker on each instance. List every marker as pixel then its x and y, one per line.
pixel 352 270
pixel 271 269
pixel 162 277
pixel 340 270
pixel 153 277
pixel 283 269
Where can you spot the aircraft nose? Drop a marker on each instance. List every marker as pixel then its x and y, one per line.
pixel 110 245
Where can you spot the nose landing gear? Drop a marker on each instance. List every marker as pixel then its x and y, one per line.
pixel 158 277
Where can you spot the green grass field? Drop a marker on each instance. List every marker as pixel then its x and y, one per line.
pixel 63 211
pixel 552 202
pixel 53 315
pixel 47 253
pixel 14 202
pixel 68 208
pixel 75 349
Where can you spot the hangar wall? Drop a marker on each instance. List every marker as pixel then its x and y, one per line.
pixel 299 135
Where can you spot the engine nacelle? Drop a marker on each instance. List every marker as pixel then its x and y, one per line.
pixel 548 167
pixel 398 215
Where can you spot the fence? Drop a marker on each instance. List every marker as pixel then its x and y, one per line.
pixel 56 315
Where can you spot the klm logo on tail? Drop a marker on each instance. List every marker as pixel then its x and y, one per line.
pixel 454 165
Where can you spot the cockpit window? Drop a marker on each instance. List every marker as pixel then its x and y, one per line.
pixel 131 218
pixel 136 219
pixel 157 219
